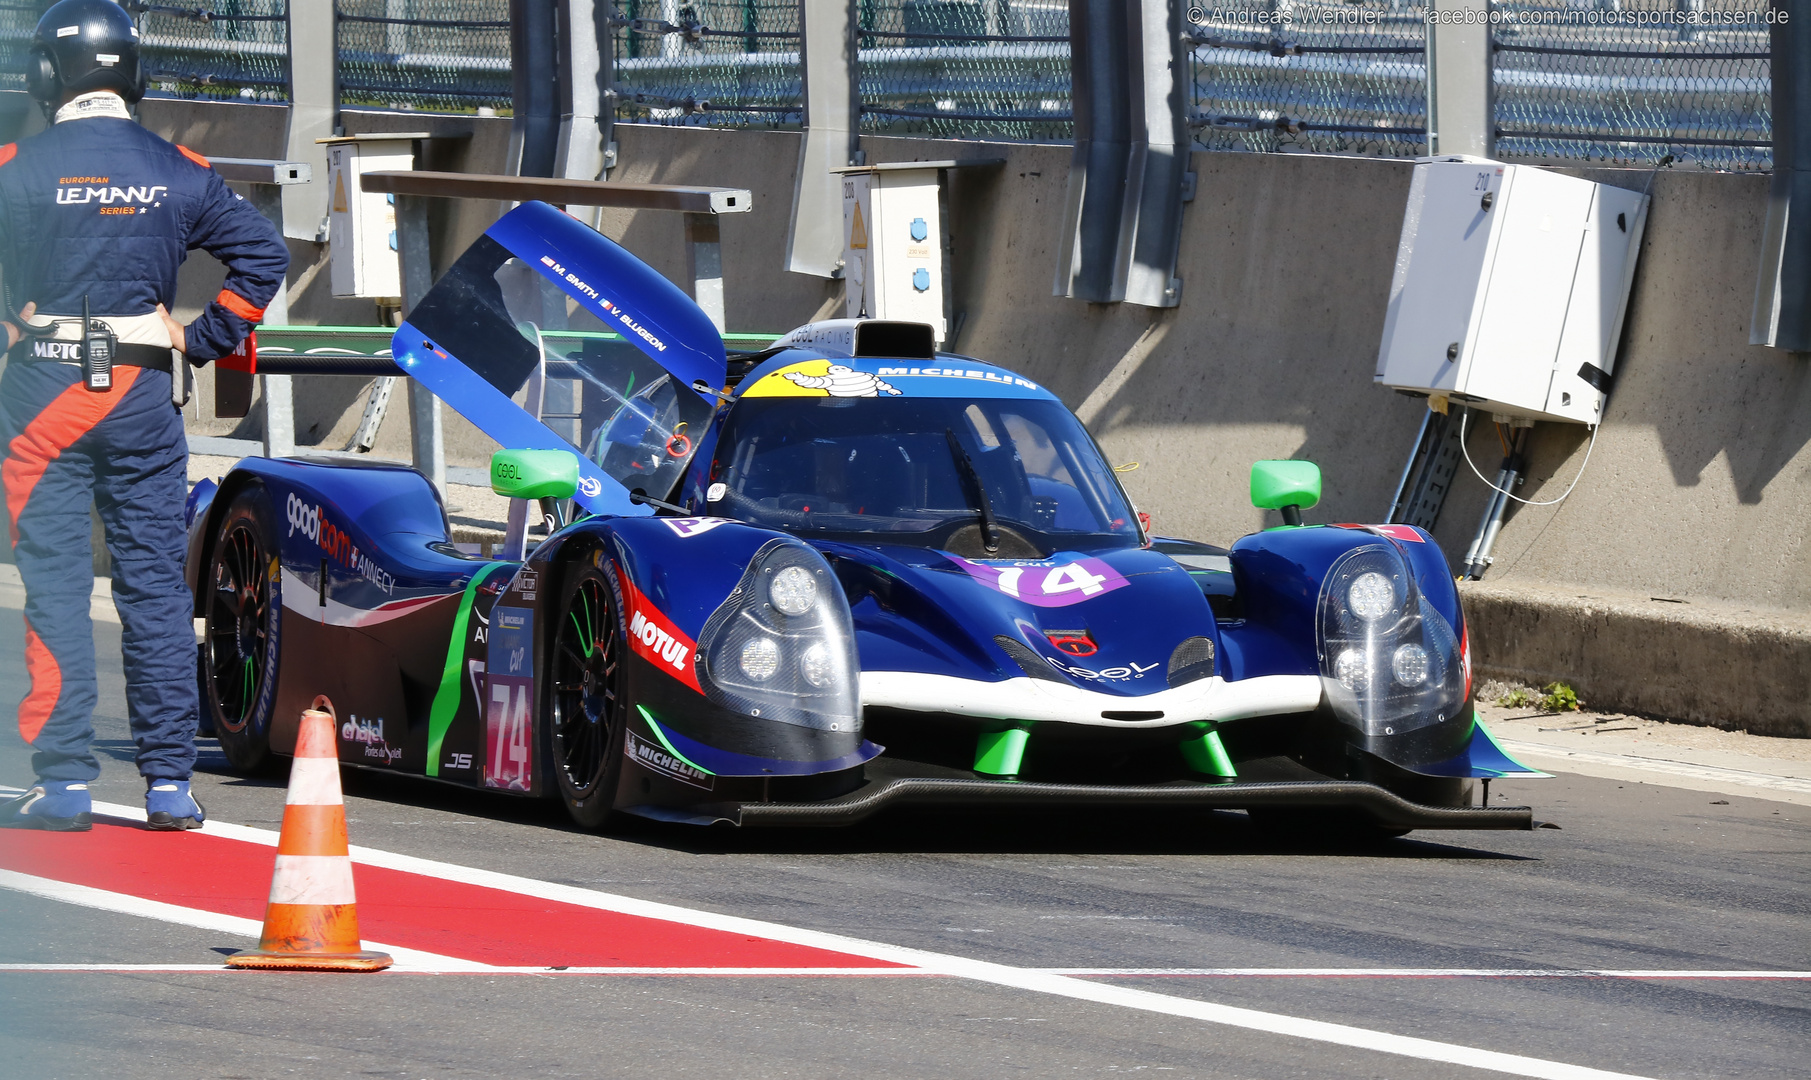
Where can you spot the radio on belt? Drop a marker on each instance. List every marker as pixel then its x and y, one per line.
pixel 98 341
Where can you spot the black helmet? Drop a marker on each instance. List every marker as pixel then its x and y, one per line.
pixel 84 45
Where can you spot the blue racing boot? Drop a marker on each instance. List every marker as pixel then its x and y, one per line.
pixel 53 805
pixel 169 806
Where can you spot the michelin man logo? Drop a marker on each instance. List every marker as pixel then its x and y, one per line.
pixel 843 381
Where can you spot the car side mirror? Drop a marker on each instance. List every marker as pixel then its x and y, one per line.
pixel 534 474
pixel 1287 486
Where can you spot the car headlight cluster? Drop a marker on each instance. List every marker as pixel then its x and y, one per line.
pixel 1390 660
pixel 782 645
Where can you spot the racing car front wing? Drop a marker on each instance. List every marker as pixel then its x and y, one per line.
pixel 1379 805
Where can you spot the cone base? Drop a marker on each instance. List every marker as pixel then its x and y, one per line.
pixel 268 960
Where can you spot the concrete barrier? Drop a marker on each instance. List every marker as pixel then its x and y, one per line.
pixel 1746 669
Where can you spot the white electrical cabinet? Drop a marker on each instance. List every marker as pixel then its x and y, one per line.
pixel 1510 287
pixel 894 242
pixel 361 225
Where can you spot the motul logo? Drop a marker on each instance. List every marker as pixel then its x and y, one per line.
pixel 661 643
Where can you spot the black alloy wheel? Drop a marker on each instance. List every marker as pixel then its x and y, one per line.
pixel 587 703
pixel 239 647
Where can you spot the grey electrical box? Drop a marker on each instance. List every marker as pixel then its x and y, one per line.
pixel 1510 287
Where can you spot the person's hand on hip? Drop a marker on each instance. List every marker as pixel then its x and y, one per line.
pixel 178 333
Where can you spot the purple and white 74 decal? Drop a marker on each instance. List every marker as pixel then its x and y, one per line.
pixel 1058 581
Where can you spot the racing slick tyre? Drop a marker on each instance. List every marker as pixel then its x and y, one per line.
pixel 242 615
pixel 588 704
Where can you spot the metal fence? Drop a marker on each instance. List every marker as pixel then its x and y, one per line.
pixel 1632 80
pixel 965 68
pixel 435 55
pixel 1312 76
pixel 1588 80
pixel 229 49
pixel 16 22
pixel 719 62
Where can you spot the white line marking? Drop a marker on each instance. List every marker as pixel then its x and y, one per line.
pixel 903 972
pixel 416 969
pixel 102 900
pixel 1419 973
pixel 1711 773
pixel 944 964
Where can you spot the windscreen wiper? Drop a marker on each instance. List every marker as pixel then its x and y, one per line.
pixel 990 529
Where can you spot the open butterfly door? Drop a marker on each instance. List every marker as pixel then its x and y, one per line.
pixel 541 287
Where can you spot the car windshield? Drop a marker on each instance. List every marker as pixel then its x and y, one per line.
pixel 509 323
pixel 909 468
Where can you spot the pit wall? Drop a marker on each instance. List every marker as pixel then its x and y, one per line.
pixel 1697 497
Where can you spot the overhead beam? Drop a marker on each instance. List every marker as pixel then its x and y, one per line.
pixel 444 185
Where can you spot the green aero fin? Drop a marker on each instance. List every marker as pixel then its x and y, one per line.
pixel 1206 754
pixel 999 753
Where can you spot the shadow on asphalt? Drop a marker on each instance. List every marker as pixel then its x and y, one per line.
pixel 916 831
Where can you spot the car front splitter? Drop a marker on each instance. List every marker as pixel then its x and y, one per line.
pixel 1385 808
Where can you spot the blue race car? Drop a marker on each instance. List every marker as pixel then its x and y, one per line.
pixel 800 586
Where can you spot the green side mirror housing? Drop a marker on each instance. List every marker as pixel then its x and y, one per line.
pixel 1289 486
pixel 534 474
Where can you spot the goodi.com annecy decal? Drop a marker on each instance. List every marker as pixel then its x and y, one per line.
pixel 333 541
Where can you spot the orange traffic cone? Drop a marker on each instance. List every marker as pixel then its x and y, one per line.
pixel 312 921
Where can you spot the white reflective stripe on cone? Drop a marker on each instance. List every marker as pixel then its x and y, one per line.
pixel 312 879
pixel 314 781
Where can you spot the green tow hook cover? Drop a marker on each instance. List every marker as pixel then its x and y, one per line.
pixel 999 753
pixel 1288 486
pixel 534 474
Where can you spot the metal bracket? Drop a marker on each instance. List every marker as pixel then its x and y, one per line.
pixel 375 405
pixel 1428 476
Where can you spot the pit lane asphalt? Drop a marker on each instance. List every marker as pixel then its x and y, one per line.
pixel 1642 876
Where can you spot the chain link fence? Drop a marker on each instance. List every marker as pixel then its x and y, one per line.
pixel 1628 81
pixel 432 55
pixel 726 63
pixel 17 19
pixel 966 69
pixel 1310 76
pixel 237 49
pixel 230 49
pixel 1624 81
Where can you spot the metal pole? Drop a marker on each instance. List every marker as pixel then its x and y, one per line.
pixel 1151 279
pixel 1122 215
pixel 426 431
pixel 827 47
pixel 1408 469
pixel 586 148
pixel 704 265
pixel 279 395
pixel 1459 94
pixel 534 58
pixel 1782 309
pixel 313 112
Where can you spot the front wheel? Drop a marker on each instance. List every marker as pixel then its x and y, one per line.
pixel 241 616
pixel 588 706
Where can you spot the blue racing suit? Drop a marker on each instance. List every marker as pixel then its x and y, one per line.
pixel 97 206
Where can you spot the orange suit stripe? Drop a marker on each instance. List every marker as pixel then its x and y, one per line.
pixel 69 416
